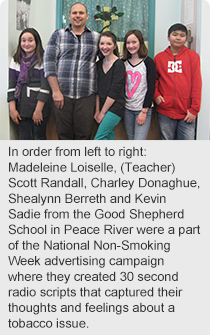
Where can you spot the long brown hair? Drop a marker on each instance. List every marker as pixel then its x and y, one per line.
pixel 38 50
pixel 143 51
pixel 114 40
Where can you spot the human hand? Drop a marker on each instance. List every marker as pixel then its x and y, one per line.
pixel 58 99
pixel 190 118
pixel 15 116
pixel 159 99
pixel 141 118
pixel 37 117
pixel 99 117
pixel 96 115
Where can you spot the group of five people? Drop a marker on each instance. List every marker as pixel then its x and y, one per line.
pixel 113 88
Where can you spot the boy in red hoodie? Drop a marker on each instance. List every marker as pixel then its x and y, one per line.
pixel 178 87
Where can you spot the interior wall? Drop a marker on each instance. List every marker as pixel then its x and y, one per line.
pixel 42 18
pixel 4 124
pixel 203 131
pixel 166 13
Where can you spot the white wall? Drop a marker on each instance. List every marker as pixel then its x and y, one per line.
pixel 4 120
pixel 42 18
pixel 167 12
pixel 204 115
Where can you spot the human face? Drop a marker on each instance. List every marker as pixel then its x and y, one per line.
pixel 106 46
pixel 132 44
pixel 28 44
pixel 78 16
pixel 177 39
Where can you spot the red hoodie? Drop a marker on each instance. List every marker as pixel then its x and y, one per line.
pixel 178 80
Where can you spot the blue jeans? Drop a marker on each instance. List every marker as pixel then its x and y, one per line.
pixel 133 129
pixel 106 128
pixel 30 131
pixel 175 128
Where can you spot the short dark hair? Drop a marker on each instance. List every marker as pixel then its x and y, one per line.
pixel 177 26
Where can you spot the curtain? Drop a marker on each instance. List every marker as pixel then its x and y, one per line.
pixel 136 16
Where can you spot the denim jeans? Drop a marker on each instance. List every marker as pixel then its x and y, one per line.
pixel 106 128
pixel 30 131
pixel 175 128
pixel 133 129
